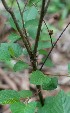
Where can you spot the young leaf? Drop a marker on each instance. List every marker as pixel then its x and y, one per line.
pixel 38 78
pixel 20 65
pixel 13 37
pixel 9 96
pixel 25 93
pixel 51 85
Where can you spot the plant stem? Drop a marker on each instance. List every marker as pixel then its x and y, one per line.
pixel 39 27
pixel 21 14
pixel 46 7
pixel 54 45
pixel 17 26
pixel 40 95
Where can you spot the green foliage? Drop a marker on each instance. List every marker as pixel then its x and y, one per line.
pixel 59 104
pixel 4 53
pixel 31 2
pixel 15 49
pixel 51 85
pixel 17 107
pixel 30 14
pixel 25 93
pixel 12 96
pixel 13 37
pixel 31 27
pixel 43 52
pixel 9 49
pixel 12 23
pixel 22 108
pixel 43 45
pixel 8 96
pixel 20 65
pixel 38 78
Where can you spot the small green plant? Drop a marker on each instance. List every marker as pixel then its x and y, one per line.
pixel 29 24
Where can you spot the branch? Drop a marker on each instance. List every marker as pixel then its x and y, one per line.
pixel 54 45
pixel 17 26
pixel 21 14
pixel 39 27
pixel 47 4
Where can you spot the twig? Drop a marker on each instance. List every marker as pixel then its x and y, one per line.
pixel 39 27
pixel 24 7
pixel 43 19
pixel 17 26
pixel 21 14
pixel 54 45
pixel 45 25
pixel 47 4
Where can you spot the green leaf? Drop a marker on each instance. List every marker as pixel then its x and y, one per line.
pixel 17 107
pixel 43 45
pixel 31 2
pixel 30 13
pixel 12 23
pixel 25 93
pixel 44 37
pixel 9 49
pixel 30 108
pixel 15 49
pixel 57 104
pixel 22 108
pixel 18 18
pixel 51 85
pixel 38 78
pixel 20 65
pixel 4 53
pixel 8 96
pixel 43 52
pixel 13 37
pixel 31 27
